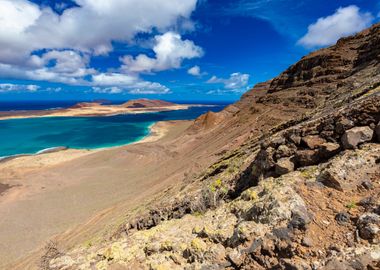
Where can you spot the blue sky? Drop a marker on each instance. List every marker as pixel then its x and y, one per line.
pixel 210 50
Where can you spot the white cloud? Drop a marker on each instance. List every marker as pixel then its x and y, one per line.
pixel 170 51
pixel 147 88
pixel 26 27
pixel 9 87
pixel 54 89
pixel 70 40
pixel 344 22
pixel 196 71
pixel 115 83
pixel 107 90
pixel 236 81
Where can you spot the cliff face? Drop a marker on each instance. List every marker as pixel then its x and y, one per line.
pixel 295 184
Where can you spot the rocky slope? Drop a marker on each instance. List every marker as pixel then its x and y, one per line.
pixel 296 187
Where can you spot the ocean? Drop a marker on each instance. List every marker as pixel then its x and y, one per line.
pixel 31 135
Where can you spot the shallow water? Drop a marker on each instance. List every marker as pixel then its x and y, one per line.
pixel 28 136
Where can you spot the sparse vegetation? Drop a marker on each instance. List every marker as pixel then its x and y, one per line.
pixel 351 205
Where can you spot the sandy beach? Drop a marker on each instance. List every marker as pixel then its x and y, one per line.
pixel 47 194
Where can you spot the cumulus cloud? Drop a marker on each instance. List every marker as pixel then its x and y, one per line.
pixel 115 83
pixel 36 43
pixel 170 51
pixel 107 90
pixel 26 27
pixel 236 81
pixel 9 87
pixel 196 71
pixel 344 22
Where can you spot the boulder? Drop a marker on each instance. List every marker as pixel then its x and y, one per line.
pixel 348 170
pixel 355 136
pixel 307 157
pixel 369 226
pixel 313 141
pixel 284 166
pixel 328 150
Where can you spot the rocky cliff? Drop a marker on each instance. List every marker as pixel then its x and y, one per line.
pixel 296 187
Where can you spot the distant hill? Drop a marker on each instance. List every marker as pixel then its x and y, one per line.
pixel 147 103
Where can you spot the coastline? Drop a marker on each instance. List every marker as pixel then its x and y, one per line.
pixel 157 131
pixel 80 182
pixel 93 111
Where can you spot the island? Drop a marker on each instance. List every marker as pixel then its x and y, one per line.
pixel 88 109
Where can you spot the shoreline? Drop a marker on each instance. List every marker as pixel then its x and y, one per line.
pixel 62 190
pixel 93 111
pixel 157 131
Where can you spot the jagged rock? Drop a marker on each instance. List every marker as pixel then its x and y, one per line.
pixel 284 166
pixel 343 125
pixel 313 141
pixel 369 226
pixel 355 136
pixel 328 150
pixel 296 139
pixel 307 157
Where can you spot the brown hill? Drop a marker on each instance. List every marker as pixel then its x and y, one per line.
pixel 147 103
pixel 84 105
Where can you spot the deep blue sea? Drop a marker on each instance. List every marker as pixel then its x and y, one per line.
pixel 28 136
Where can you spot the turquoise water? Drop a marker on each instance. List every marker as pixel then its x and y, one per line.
pixel 28 136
